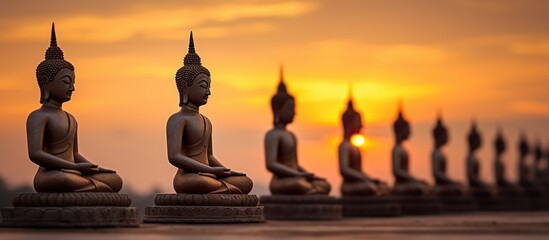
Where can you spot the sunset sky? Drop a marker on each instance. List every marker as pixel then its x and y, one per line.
pixel 484 60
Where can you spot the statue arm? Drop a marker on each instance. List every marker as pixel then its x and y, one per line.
pixel 36 126
pixel 174 133
pixel 271 155
pixel 344 169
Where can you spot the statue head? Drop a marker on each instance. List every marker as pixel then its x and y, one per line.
pixel 282 104
pixel 352 121
pixel 193 80
pixel 524 149
pixel 55 75
pixel 500 143
pixel 401 127
pixel 440 133
pixel 474 139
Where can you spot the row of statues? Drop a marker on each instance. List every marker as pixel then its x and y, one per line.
pixel 52 136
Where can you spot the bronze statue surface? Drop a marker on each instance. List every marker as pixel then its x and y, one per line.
pixel 52 134
pixel 189 137
pixel 355 181
pixel 405 182
pixel 289 178
pixel 443 184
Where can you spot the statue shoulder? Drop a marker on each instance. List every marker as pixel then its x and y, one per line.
pixel 38 115
pixel 274 134
pixel 176 119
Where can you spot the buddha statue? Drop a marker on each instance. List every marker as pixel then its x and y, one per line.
pixel 70 190
pixel 538 164
pixel 355 181
pixel 525 173
pixel 405 183
pixel 52 134
pixel 189 137
pixel 499 166
pixel 477 185
pixel 289 178
pixel 443 184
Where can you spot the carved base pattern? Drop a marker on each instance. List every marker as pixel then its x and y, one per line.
pixel 370 206
pixel 203 214
pixel 69 217
pixel 290 207
pixel 81 199
pixel 420 205
pixel 206 200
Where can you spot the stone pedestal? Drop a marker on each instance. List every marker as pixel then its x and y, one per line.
pixel 485 199
pixel 301 207
pixel 204 208
pixel 457 203
pixel 70 210
pixel 373 206
pixel 420 205
pixel 511 199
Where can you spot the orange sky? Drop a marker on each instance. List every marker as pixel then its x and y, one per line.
pixel 486 60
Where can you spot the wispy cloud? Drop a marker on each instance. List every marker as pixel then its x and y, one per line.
pixel 150 21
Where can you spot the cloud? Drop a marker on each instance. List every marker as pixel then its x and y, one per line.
pixel 153 22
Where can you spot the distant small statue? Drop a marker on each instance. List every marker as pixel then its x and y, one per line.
pixel 405 183
pixel 443 184
pixel 289 178
pixel 477 185
pixel 355 181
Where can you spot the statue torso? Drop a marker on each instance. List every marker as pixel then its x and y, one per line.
pixel 196 137
pixel 287 149
pixel 400 160
pixel 59 134
pixel 439 164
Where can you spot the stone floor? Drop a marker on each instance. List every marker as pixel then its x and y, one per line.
pixel 500 226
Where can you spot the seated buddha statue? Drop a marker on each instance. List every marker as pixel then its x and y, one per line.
pixel 477 185
pixel 525 173
pixel 443 184
pixel 289 178
pixel 505 187
pixel 189 137
pixel 405 183
pixel 355 181
pixel 52 134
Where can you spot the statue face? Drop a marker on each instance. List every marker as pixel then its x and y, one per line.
pixel 356 125
pixel 287 112
pixel 61 87
pixel 406 132
pixel 199 91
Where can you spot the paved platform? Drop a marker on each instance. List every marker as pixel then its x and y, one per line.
pixel 500 226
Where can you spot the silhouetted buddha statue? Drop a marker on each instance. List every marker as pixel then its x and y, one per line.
pixel 296 194
pixel 405 183
pixel 189 137
pixel 477 185
pixel 206 190
pixel 525 173
pixel 52 134
pixel 355 181
pixel 538 162
pixel 510 196
pixel 443 184
pixel 499 165
pixel 71 191
pixel 289 178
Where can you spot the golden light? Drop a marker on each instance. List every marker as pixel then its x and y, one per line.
pixel 358 140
